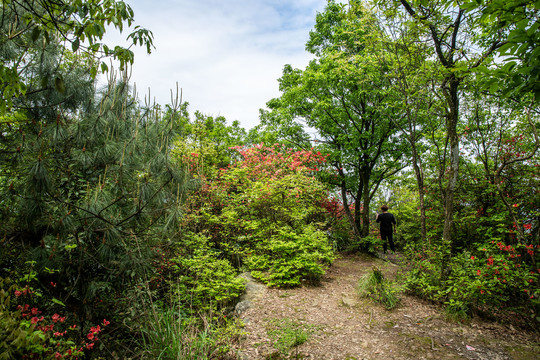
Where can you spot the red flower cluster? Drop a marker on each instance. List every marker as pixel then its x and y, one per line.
pixel 56 320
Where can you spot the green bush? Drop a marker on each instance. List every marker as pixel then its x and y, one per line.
pixel 265 214
pixel 289 257
pixel 203 282
pixel 496 277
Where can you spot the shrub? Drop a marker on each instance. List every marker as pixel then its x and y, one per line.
pixel 29 333
pixel 287 258
pixel 265 213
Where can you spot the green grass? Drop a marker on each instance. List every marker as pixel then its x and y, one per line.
pixel 288 334
pixel 376 287
pixel 170 335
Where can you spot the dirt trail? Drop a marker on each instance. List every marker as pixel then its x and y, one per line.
pixel 342 326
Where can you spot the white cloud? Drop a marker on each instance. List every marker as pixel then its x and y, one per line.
pixel 225 55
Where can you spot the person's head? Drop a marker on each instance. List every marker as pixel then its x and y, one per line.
pixel 384 208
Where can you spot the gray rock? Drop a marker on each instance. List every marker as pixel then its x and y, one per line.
pixel 253 291
pixel 349 302
pixel 241 307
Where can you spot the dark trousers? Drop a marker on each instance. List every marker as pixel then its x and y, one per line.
pixel 388 235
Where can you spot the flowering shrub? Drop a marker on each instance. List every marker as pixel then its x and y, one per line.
pixel 497 276
pixel 265 212
pixel 29 333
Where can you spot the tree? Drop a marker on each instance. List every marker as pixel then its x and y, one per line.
pixel 517 21
pixel 211 139
pixel 450 30
pixel 32 25
pixel 413 77
pixel 344 95
pixel 99 192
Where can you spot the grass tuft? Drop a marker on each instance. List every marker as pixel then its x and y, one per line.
pixel 376 287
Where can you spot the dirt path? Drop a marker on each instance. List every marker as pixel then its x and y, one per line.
pixel 341 326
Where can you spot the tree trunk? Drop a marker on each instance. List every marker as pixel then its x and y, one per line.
pixel 350 217
pixel 365 203
pixel 452 98
pixel 421 192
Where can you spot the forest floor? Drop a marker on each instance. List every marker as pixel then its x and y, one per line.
pixel 340 325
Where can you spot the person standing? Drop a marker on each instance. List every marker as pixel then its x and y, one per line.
pixel 388 227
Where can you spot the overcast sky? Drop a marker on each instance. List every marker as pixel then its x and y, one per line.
pixel 226 55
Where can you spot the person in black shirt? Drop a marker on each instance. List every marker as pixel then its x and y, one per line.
pixel 388 227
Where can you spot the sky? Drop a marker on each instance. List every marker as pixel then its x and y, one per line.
pixel 226 56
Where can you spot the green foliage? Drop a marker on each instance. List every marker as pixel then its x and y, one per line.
pixel 498 277
pixel 288 258
pixel 89 194
pixel 17 338
pixel 27 333
pixel 345 94
pixel 369 244
pixel 375 286
pixel 206 144
pixel 201 281
pixel 36 28
pixel 265 212
pixel 169 334
pixel 517 65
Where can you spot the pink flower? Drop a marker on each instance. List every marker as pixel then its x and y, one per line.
pixel 105 322
pixel 472 257
pixel 57 355
pixel 90 346
pixel 18 293
pixel 95 329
